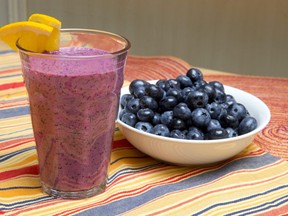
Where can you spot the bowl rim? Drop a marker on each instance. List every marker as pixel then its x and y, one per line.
pixel 203 142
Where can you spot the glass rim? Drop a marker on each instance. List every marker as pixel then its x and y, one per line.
pixel 83 30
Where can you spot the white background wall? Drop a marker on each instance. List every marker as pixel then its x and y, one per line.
pixel 240 36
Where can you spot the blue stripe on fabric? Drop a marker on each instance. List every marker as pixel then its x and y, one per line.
pixel 265 206
pixel 19 187
pixel 7 207
pixel 240 200
pixel 129 203
pixel 12 154
pixel 13 112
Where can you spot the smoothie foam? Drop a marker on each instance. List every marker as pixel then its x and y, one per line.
pixel 72 105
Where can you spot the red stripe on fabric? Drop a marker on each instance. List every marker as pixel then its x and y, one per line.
pixel 13 143
pixel 32 170
pixel 11 85
pixel 279 211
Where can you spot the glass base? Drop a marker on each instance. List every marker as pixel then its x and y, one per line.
pixel 74 194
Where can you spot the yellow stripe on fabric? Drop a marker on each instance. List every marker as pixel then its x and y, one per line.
pixel 16 195
pixel 15 93
pixel 10 79
pixel 8 124
pixel 25 159
pixel 20 129
pixel 125 152
pixel 25 181
pixel 231 187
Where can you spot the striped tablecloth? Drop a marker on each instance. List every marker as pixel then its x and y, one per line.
pixel 254 182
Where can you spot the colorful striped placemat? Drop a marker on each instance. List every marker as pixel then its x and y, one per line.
pixel 254 182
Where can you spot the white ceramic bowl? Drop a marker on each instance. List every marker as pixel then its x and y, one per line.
pixel 195 152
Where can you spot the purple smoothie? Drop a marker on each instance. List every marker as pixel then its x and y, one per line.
pixel 73 106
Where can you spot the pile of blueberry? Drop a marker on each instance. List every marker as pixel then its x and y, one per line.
pixel 187 107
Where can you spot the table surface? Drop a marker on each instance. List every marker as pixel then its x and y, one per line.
pixel 254 182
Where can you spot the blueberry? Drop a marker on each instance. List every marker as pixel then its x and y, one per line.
pixel 144 126
pixel 148 102
pixel 182 111
pixel 189 122
pixel 177 124
pixel 139 92
pixel 194 134
pixel 161 130
pixel 156 118
pixel 154 91
pixel 225 105
pixel 217 85
pixel 217 133
pixel 196 99
pixel 166 117
pixel 220 96
pixel 167 103
pixel 200 117
pixel 124 99
pixel 194 74
pixel 173 83
pixel 122 112
pixel 214 110
pixel 136 84
pixel 227 120
pixel 238 110
pixel 133 105
pixel 145 115
pixel 175 92
pixel 247 125
pixel 163 84
pixel 186 91
pixel 231 132
pixel 209 90
pixel 213 124
pixel 199 84
pixel 129 119
pixel 230 100
pixel 178 134
pixel 184 81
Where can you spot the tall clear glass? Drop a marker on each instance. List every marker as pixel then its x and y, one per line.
pixel 74 96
